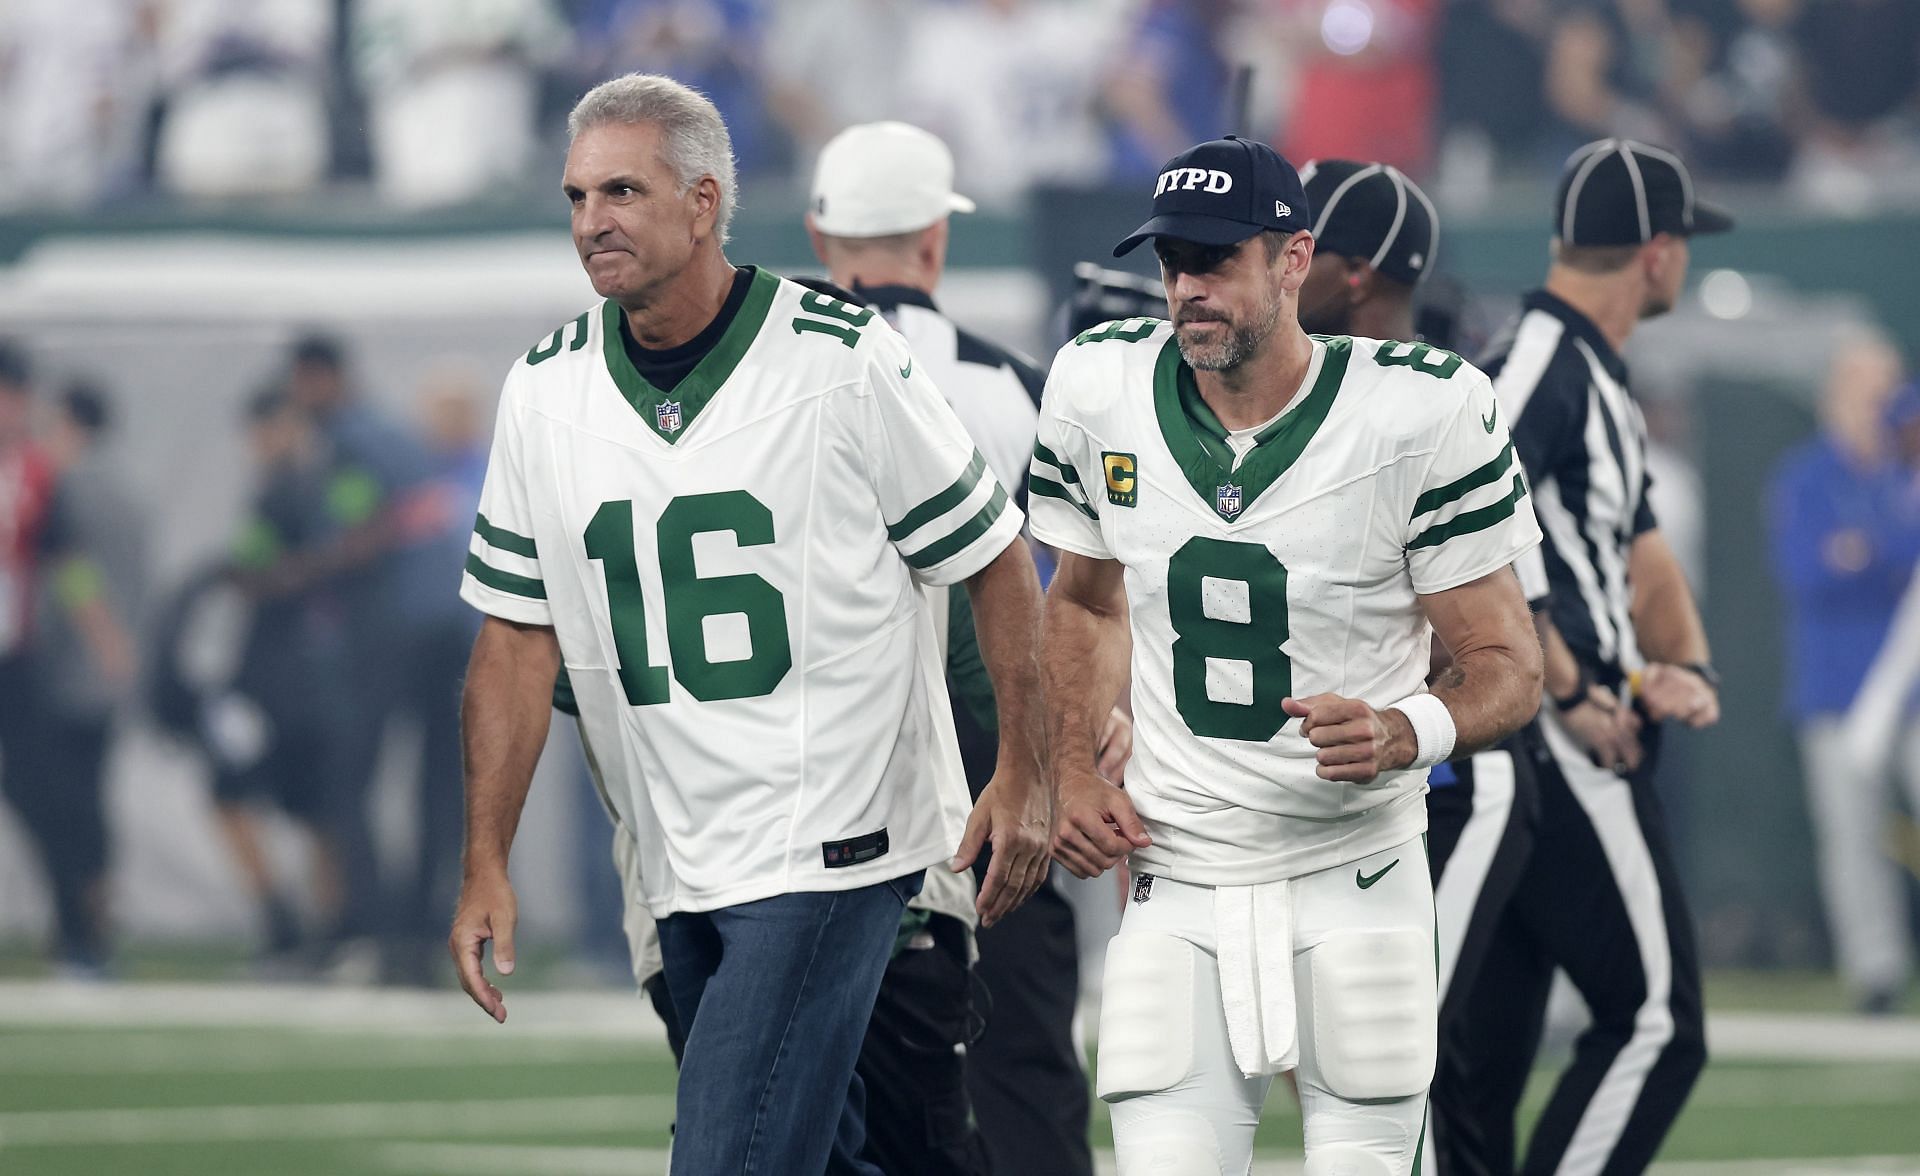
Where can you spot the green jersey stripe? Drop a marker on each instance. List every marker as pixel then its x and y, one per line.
pixel 507 582
pixel 942 502
pixel 502 538
pixel 1473 520
pixel 1050 489
pixel 1067 472
pixel 1439 496
pixel 938 553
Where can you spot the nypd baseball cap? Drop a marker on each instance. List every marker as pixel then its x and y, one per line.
pixel 878 179
pixel 1622 192
pixel 1221 193
pixel 1372 210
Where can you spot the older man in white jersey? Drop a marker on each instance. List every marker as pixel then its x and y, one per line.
pixel 717 499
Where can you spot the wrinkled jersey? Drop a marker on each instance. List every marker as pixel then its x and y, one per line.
pixel 736 571
pixel 1290 571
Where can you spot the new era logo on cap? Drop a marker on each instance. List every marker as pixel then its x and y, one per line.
pixel 1222 192
pixel 1623 192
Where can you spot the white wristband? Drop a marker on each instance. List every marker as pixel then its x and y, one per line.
pixel 1433 730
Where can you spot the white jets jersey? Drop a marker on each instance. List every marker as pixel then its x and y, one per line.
pixel 736 571
pixel 1291 571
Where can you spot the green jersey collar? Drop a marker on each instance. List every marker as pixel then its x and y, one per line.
pixel 1198 441
pixel 670 414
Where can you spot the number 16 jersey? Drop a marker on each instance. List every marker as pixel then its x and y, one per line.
pixel 1282 562
pixel 735 570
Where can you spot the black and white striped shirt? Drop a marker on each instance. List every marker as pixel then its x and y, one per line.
pixel 1584 445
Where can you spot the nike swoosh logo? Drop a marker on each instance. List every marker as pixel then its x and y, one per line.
pixel 908 371
pixel 1366 880
pixel 1487 421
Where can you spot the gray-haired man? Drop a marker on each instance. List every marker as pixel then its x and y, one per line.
pixel 717 498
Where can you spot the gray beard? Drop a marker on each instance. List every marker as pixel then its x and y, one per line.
pixel 1229 353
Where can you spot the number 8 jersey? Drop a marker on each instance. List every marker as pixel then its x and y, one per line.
pixel 1272 562
pixel 734 571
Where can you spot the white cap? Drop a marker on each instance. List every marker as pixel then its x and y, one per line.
pixel 882 178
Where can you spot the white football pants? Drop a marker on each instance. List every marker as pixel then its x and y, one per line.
pixel 1364 1003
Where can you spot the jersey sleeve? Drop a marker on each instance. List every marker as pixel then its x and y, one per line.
pixel 1065 514
pixel 503 562
pixel 1471 516
pixel 946 513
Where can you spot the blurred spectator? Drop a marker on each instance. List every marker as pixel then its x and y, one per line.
pixel 1845 524
pixel 1012 86
pixel 26 490
pixel 1169 89
pixel 1489 115
pixel 440 634
pixel 244 97
pixel 832 63
pixel 75 87
pixel 451 89
pixel 269 724
pixel 88 602
pixel 1365 87
pixel 1727 85
pixel 711 45
pixel 1861 63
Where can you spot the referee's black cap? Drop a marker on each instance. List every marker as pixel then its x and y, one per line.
pixel 1622 192
pixel 1221 193
pixel 1374 211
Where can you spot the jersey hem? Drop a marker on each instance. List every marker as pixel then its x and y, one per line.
pixel 1447 583
pixel 965 564
pixel 817 880
pixel 1052 538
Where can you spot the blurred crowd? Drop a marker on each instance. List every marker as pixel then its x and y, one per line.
pixel 283 664
pixel 437 102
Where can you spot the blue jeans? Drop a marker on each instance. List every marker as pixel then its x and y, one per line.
pixel 775 997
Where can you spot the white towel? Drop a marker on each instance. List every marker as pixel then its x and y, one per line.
pixel 1253 932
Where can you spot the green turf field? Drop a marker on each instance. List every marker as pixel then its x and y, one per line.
pixel 199 1079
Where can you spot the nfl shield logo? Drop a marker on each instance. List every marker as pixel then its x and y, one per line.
pixel 1142 887
pixel 667 416
pixel 1227 500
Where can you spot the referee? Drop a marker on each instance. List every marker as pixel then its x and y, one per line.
pixel 882 194
pixel 1625 650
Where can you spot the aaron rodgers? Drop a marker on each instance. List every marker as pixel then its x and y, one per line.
pixel 1275 525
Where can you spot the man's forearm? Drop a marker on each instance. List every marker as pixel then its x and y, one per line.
pixel 1491 693
pixel 1006 611
pixel 504 711
pixel 1666 621
pixel 1083 663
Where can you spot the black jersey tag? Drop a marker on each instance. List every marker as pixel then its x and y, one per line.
pixel 854 850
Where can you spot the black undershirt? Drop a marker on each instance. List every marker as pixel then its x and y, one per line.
pixel 665 368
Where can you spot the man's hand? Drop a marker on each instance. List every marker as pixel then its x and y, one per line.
pixel 1610 732
pixel 1676 692
pixel 1012 815
pixel 1098 827
pixel 1357 743
pixel 1116 746
pixel 487 910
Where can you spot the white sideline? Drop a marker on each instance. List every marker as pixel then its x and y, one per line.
pixel 497 1116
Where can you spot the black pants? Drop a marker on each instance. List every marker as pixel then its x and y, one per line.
pixel 914 1063
pixel 54 769
pixel 1028 1086
pixel 1600 898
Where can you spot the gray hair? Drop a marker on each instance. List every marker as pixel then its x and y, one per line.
pixel 694 139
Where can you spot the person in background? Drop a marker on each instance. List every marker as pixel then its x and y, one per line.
pixel 92 580
pixel 1169 86
pixel 1845 529
pixel 269 732
pixel 440 631
pixel 26 491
